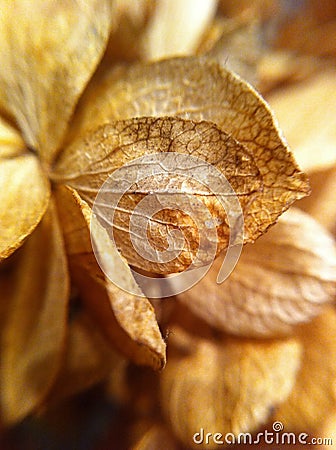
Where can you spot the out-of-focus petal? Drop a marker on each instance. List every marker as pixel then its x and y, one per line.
pixel 313 398
pixel 35 329
pixel 24 197
pixel 48 52
pixel 11 143
pixel 237 45
pixel 225 385
pixel 177 27
pixel 88 360
pixel 321 203
pixel 153 438
pixel 307 113
pixel 283 279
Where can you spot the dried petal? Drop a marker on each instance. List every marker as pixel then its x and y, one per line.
pixel 312 30
pixel 113 145
pixel 11 143
pixel 199 89
pixel 48 52
pixel 278 68
pixel 176 27
pixel 24 197
pixel 236 45
pixel 129 22
pixel 127 320
pixel 153 438
pixel 228 386
pixel 34 335
pixel 88 360
pixel 285 278
pixel 307 113
pixel 254 8
pixel 313 397
pixel 321 203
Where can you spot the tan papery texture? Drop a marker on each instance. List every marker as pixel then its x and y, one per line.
pixel 282 280
pixel 197 88
pixel 128 321
pixel 86 164
pixel 225 385
pixel 313 398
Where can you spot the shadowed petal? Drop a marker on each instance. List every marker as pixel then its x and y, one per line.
pixel 125 319
pixel 24 197
pixel 35 328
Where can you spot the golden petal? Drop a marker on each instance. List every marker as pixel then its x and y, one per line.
pixel 116 144
pixel 48 52
pixel 126 320
pixel 328 431
pixel 11 143
pixel 313 398
pixel 196 88
pixel 283 279
pixel 35 329
pixel 226 386
pixel 24 197
pixel 263 189
pixel 129 22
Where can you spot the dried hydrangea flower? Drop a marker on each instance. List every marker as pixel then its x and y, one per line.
pixel 64 145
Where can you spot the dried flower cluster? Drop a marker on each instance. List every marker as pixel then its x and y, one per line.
pixel 87 86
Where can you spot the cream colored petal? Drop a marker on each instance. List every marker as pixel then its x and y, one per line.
pixel 176 27
pixel 321 203
pixel 307 113
pixel 226 386
pixel 313 398
pixel 283 279
pixel 24 197
pixel 48 52
pixel 236 45
pixel 127 321
pixel 198 89
pixel 35 329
